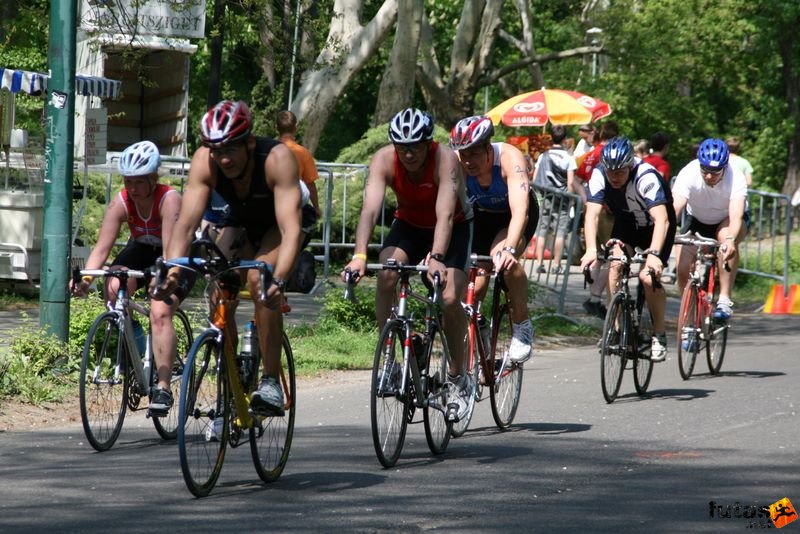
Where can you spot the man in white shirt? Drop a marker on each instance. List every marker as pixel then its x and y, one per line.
pixel 714 194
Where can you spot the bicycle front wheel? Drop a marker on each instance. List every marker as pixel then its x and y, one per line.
pixel 717 334
pixel 104 382
pixel 437 428
pixel 612 348
pixel 471 368
pixel 643 366
pixel 389 399
pixel 167 426
pixel 507 384
pixel 688 331
pixel 271 437
pixel 203 436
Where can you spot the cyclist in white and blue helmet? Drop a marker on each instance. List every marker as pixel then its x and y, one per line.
pixel 641 203
pixel 714 194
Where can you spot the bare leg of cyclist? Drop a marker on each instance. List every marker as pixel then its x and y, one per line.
pixel 387 284
pixel 164 339
pixel 455 321
pixel 686 256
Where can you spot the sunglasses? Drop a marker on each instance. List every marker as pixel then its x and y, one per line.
pixel 413 148
pixel 708 170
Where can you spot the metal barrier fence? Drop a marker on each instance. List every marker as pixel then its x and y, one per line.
pixel 765 249
pixel 562 213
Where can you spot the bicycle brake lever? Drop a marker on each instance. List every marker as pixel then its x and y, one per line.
pixel 350 279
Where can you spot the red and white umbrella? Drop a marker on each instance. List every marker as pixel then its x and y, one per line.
pixel 557 106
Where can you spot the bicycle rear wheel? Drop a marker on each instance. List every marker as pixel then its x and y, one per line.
pixel 507 383
pixel 167 426
pixel 642 365
pixel 717 334
pixel 203 436
pixel 271 437
pixel 104 382
pixel 612 348
pixel 688 331
pixel 389 399
pixel 471 366
pixel 437 427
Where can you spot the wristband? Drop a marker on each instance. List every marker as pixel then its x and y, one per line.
pixel 438 257
pixel 360 256
pixel 653 252
pixel 510 250
pixel 730 237
pixel 280 283
pixel 591 249
pixel 88 279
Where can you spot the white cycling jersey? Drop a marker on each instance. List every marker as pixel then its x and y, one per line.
pixel 709 205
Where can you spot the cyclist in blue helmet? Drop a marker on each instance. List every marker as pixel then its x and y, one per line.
pixel 643 217
pixel 714 194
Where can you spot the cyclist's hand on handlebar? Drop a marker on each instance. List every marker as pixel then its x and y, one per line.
pixel 357 267
pixel 436 266
pixel 165 285
pixel 504 260
pixel 727 251
pixel 653 262
pixel 274 297
pixel 589 258
pixel 79 288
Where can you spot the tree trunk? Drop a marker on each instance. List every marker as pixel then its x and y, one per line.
pixel 397 85
pixel 348 47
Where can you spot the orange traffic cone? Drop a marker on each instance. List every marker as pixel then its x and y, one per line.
pixel 780 303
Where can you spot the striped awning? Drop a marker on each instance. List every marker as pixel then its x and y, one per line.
pixel 22 81
pixel 34 83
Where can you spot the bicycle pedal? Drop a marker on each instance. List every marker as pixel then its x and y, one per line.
pixel 452 413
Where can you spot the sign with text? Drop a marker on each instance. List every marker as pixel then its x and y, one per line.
pixel 96 136
pixel 164 18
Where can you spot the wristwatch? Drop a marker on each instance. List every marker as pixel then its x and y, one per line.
pixel 510 250
pixel 438 257
pixel 653 252
pixel 281 283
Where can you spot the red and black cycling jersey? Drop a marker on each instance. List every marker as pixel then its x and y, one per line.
pixel 416 201
pixel 145 229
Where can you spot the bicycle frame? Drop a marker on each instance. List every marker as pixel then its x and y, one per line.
pixel 472 307
pixel 123 308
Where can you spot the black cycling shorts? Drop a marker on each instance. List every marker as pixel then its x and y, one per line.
pixel 417 242
pixel 487 224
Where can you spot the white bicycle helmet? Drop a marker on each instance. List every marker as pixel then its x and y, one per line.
pixel 410 126
pixel 139 159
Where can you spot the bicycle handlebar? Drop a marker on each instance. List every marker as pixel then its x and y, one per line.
pixel 351 278
pixel 638 258
pixel 696 240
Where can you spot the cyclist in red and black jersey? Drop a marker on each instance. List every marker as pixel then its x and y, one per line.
pixel 258 178
pixel 150 210
pixel 433 223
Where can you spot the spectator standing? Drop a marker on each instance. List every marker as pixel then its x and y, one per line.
pixel 737 161
pixel 641 148
pixel 659 148
pixel 556 169
pixel 287 132
pixel 587 134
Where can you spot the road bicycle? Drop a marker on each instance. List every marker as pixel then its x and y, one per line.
pixel 214 401
pixel 115 373
pixel 488 345
pixel 698 329
pixel 409 370
pixel 627 330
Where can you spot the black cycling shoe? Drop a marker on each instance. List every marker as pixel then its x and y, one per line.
pixel 161 402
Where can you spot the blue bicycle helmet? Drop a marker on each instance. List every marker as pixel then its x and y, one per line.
pixel 713 154
pixel 139 159
pixel 617 154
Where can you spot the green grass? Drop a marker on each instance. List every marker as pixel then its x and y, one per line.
pixel 345 349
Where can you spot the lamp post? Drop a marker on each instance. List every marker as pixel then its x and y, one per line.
pixel 593 36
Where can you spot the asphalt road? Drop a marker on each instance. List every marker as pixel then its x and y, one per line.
pixel 570 463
